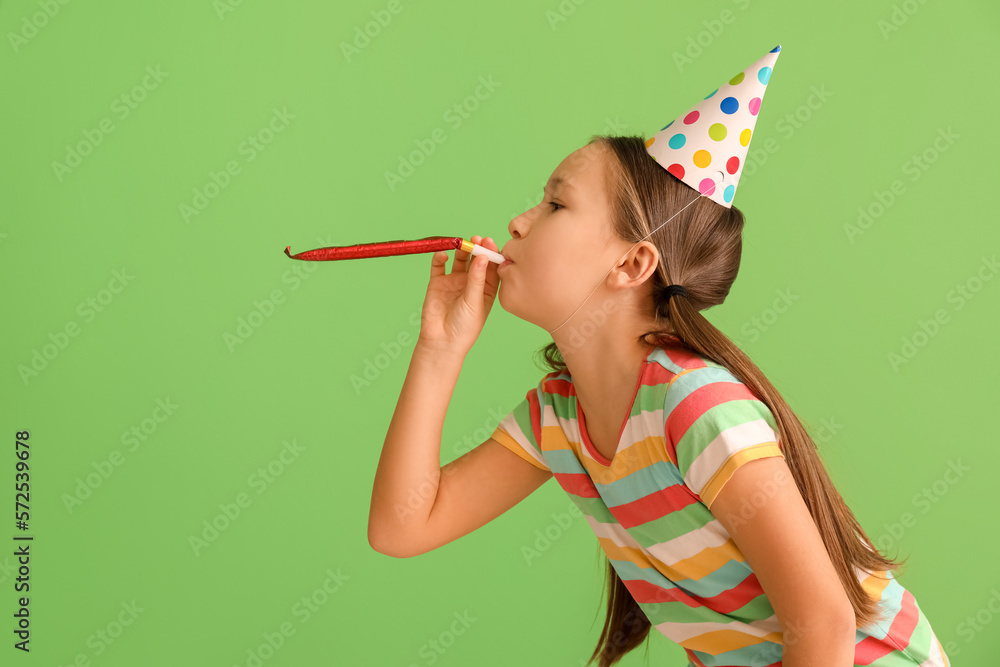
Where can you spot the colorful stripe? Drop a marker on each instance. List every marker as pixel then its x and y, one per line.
pixel 691 425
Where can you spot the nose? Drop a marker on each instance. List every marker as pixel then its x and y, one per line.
pixel 518 226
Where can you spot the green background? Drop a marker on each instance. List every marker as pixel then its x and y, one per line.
pixel 859 90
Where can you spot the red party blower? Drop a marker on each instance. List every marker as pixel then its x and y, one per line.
pixel 389 248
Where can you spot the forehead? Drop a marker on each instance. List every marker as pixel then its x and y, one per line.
pixel 581 171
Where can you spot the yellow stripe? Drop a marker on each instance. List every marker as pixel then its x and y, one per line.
pixel 738 458
pixel 510 443
pixel 641 454
pixel 555 438
pixel 874 584
pixel 617 552
pixel 721 641
pixel 708 560
pixel 696 567
pixel 640 558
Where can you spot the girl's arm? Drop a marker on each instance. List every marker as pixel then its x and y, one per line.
pixel 409 482
pixel 406 480
pixel 416 504
pixel 784 549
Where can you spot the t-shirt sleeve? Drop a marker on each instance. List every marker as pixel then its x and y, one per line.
pixel 714 425
pixel 521 430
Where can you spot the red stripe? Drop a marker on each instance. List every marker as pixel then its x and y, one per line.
pixel 657 374
pixel 693 658
pixel 556 383
pixel 536 417
pixel 731 600
pixel 870 649
pixel 653 506
pixel 723 603
pixel 681 355
pixel 559 386
pixel 647 593
pixel 577 483
pixel 695 404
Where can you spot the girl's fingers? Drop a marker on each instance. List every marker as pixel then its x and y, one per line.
pixel 476 279
pixel 461 262
pixel 438 260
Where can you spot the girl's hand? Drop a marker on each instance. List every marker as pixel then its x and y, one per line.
pixel 457 304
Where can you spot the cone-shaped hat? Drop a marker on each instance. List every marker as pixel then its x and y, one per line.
pixel 706 146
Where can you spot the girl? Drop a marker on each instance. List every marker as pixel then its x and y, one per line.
pixel 720 524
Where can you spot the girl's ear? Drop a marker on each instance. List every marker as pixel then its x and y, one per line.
pixel 639 264
pixel 634 270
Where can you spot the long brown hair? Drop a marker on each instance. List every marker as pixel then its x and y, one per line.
pixel 700 249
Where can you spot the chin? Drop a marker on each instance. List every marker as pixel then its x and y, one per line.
pixel 515 310
pixel 510 305
pixel 500 299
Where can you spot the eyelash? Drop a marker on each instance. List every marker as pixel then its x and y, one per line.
pixel 552 203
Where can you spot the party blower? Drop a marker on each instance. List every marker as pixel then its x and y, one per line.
pixel 389 248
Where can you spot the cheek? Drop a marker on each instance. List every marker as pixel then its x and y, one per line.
pixel 565 271
pixel 552 283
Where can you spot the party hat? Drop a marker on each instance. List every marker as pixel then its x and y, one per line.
pixel 707 145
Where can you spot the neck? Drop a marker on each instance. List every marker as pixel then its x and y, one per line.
pixel 603 360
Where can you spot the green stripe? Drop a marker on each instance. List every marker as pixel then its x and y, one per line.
pixel 594 507
pixel 714 421
pixel 756 609
pixel 920 641
pixel 671 525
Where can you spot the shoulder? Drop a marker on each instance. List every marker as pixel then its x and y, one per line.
pixel 695 384
pixel 711 399
pixel 681 373
pixel 555 389
pixel 541 403
pixel 709 407
pixel 677 357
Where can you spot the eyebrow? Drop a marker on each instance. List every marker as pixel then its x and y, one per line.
pixel 559 180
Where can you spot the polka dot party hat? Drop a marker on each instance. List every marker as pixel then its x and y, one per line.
pixel 707 145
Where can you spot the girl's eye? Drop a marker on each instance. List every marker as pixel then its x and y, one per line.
pixel 553 204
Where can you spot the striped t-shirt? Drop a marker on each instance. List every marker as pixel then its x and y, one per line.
pixel 691 425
